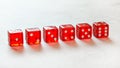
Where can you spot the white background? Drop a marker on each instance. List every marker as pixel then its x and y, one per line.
pixel 95 53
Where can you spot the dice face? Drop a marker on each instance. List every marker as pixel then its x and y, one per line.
pixel 67 32
pixel 83 31
pixel 100 29
pixel 15 37
pixel 33 36
pixel 50 34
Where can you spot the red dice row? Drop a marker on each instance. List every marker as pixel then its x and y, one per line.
pixel 66 33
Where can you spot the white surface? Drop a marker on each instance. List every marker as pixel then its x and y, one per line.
pixel 38 13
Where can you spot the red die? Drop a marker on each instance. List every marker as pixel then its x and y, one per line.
pixel 33 36
pixel 84 31
pixel 15 37
pixel 100 29
pixel 67 32
pixel 50 34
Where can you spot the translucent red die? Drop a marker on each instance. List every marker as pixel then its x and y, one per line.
pixel 100 29
pixel 83 31
pixel 15 37
pixel 50 34
pixel 67 32
pixel 33 36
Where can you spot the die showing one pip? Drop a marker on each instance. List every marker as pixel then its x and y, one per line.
pixel 15 37
pixel 50 34
pixel 83 31
pixel 67 32
pixel 100 29
pixel 33 36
